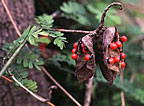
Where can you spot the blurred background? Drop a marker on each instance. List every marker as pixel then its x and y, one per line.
pixel 86 15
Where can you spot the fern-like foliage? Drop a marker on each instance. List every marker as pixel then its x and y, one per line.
pixel 75 11
pixel 29 59
pixel 26 59
pixel 81 13
pixel 133 91
pixel 56 59
pixel 21 74
pixel 45 22
pixel 98 8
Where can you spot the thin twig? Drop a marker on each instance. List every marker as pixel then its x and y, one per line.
pixel 122 92
pixel 12 58
pixel 7 79
pixel 10 17
pixel 46 72
pixel 88 92
pixel 55 14
pixel 72 31
pixel 31 93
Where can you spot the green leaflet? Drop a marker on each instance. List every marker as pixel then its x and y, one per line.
pixel 45 21
pixel 44 40
pixel 25 63
pixel 30 65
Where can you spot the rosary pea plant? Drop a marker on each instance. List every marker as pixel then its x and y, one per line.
pixel 27 58
pixel 23 54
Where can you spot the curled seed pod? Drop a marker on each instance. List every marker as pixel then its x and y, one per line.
pixel 102 39
pixel 102 49
pixel 97 44
pixel 103 52
pixel 85 69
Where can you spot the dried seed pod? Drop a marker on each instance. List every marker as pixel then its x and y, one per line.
pixel 98 43
pixel 103 53
pixel 110 71
pixel 85 69
pixel 103 38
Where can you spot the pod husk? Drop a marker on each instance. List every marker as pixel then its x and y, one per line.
pixel 85 69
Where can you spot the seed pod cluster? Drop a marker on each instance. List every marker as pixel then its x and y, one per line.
pixel 105 47
pixel 85 62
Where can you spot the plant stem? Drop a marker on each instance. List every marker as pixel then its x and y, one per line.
pixel 73 99
pixel 12 58
pixel 88 92
pixel 72 31
pixel 55 14
pixel 10 17
pixel 7 79
pixel 122 92
pixel 30 92
pixel 107 8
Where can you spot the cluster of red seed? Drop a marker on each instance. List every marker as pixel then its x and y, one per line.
pixel 114 46
pixel 84 49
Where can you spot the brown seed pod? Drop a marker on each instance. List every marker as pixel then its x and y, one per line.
pixel 104 37
pixel 85 69
pixel 105 52
pixel 98 43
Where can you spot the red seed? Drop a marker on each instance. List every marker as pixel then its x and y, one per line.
pixel 43 47
pixel 113 46
pixel 84 51
pixel 123 38
pixel 118 43
pixel 73 50
pixel 87 57
pixel 123 55
pixel 75 44
pixel 82 45
pixel 123 64
pixel 111 60
pixel 74 56
pixel 117 59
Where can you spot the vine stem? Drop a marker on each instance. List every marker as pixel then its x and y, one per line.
pixel 30 92
pixel 11 18
pixel 11 58
pixel 7 79
pixel 43 69
pixel 56 13
pixel 46 72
